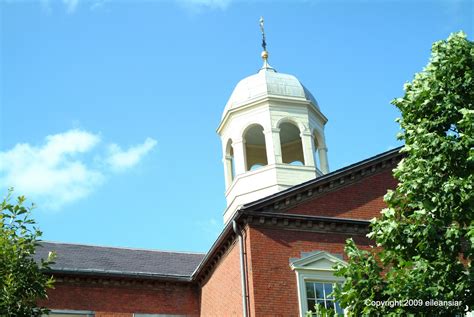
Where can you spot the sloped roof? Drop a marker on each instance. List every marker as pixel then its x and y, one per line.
pixel 120 262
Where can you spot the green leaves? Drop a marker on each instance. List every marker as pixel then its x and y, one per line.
pixel 427 231
pixel 362 282
pixel 22 281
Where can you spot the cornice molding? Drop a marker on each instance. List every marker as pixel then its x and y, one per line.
pixel 280 221
pixel 307 223
pixel 202 274
pixel 265 100
pixel 138 281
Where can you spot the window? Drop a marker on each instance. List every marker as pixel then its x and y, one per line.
pixel 315 281
pixel 319 293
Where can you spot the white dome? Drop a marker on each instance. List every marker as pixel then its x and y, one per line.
pixel 267 82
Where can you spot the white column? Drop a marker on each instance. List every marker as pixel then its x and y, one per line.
pixel 275 137
pixel 270 146
pixel 226 174
pixel 227 160
pixel 240 159
pixel 317 163
pixel 308 148
pixel 323 159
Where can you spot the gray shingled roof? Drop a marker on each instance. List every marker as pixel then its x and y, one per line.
pixel 124 262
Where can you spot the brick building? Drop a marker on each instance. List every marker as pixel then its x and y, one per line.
pixel 286 222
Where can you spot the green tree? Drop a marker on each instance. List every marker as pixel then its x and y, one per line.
pixel 321 311
pixel 426 234
pixel 22 280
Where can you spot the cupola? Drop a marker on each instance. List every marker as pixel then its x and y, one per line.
pixel 272 133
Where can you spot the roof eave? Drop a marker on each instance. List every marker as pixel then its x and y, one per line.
pixel 117 274
pixel 225 234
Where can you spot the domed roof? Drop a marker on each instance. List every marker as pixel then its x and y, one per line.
pixel 267 82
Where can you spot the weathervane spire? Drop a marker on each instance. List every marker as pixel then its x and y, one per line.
pixel 265 66
pixel 262 29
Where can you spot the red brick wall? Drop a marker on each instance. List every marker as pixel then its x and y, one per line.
pixel 221 294
pixel 109 301
pixel 361 200
pixel 274 283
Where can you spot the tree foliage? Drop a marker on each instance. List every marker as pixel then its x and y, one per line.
pixel 427 231
pixel 321 311
pixel 22 280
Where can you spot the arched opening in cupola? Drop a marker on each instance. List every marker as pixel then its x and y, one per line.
pixel 291 145
pixel 255 149
pixel 229 161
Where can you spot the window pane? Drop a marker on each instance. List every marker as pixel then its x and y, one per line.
pixel 309 290
pixel 328 289
pixel 329 304
pixel 311 305
pixel 319 290
pixel 320 302
pixel 318 293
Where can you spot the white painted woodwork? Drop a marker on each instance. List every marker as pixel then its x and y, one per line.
pixel 268 99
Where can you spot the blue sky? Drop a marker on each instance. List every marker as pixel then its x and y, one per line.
pixel 108 109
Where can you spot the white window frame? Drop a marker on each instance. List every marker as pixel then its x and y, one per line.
pixel 331 281
pixel 314 267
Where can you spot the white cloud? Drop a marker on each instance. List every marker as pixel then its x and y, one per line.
pixel 53 172
pixel 60 171
pixel 120 160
